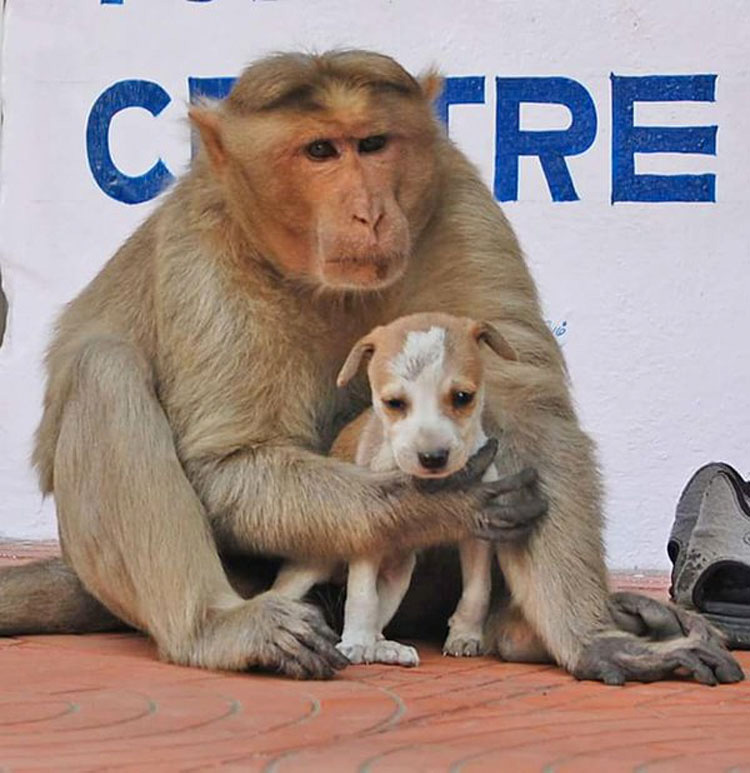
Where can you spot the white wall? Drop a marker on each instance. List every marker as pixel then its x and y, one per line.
pixel 654 295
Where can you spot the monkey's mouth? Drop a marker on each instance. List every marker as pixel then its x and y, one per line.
pixel 356 261
pixel 364 270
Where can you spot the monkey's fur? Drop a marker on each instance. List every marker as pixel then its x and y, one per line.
pixel 191 394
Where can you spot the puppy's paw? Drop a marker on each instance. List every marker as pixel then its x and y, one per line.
pixel 395 653
pixel 359 652
pixel 460 644
pixel 378 650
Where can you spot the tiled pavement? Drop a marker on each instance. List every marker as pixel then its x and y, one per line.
pixel 103 702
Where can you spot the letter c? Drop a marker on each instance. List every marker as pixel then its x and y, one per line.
pixel 120 96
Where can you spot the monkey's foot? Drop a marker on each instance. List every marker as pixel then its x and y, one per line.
pixel 379 651
pixel 463 644
pixel 268 632
pixel 616 658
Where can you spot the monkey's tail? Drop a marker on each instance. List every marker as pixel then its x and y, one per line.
pixel 47 597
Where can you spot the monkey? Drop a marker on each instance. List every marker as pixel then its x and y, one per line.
pixel 190 399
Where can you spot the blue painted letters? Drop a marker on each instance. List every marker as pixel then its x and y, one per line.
pixel 550 146
pixel 466 90
pixel 512 142
pixel 628 139
pixel 131 93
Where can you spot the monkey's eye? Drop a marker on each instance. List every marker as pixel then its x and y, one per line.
pixel 396 404
pixel 373 144
pixel 320 150
pixel 462 399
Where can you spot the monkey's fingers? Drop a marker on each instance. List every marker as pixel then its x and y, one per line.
pixel 314 618
pixel 319 655
pixel 477 465
pixel 694 665
pixel 726 669
pixel 525 512
pixel 288 637
pixel 313 632
pixel 509 484
pixel 323 647
pixel 297 661
pixel 509 522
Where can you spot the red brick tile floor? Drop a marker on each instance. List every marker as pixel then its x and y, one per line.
pixel 104 702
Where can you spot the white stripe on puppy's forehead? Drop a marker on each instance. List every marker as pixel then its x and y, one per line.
pixel 421 348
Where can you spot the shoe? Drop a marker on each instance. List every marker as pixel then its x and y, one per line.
pixel 712 574
pixel 687 512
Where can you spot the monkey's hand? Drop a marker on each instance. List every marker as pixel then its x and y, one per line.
pixel 616 658
pixel 506 510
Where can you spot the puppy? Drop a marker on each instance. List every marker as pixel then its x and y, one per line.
pixel 425 373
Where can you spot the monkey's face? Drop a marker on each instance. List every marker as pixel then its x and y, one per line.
pixel 429 399
pixel 333 194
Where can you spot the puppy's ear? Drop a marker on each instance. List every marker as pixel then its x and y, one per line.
pixel 363 348
pixel 487 333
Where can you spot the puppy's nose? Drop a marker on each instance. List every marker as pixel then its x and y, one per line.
pixel 434 460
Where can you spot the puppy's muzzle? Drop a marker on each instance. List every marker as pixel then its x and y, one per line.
pixel 434 460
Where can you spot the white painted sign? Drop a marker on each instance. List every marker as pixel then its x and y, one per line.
pixel 614 134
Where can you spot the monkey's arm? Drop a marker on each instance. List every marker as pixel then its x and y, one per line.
pixel 342 510
pixel 135 533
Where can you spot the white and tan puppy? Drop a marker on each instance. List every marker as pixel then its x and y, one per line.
pixel 425 373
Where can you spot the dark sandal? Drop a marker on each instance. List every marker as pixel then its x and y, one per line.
pixel 714 569
pixel 687 512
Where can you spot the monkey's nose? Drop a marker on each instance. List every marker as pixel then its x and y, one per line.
pixel 434 460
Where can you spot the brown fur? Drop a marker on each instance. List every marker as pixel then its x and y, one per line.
pixel 191 395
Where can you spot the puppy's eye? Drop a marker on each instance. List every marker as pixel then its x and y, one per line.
pixel 395 404
pixel 462 399
pixel 320 150
pixel 373 144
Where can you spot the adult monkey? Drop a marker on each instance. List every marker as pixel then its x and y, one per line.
pixel 191 393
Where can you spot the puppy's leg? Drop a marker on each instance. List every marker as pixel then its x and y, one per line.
pixel 296 578
pixel 514 638
pixel 361 612
pixel 467 622
pixel 393 582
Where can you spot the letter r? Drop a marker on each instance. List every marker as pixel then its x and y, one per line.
pixel 550 146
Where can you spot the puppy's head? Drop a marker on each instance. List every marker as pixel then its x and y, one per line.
pixel 426 377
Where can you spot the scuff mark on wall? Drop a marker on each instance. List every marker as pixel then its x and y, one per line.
pixel 3 310
pixel 3 299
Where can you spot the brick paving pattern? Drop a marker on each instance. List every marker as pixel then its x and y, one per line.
pixel 103 702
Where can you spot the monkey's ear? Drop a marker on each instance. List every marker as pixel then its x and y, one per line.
pixel 432 84
pixel 363 348
pixel 208 123
pixel 487 333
